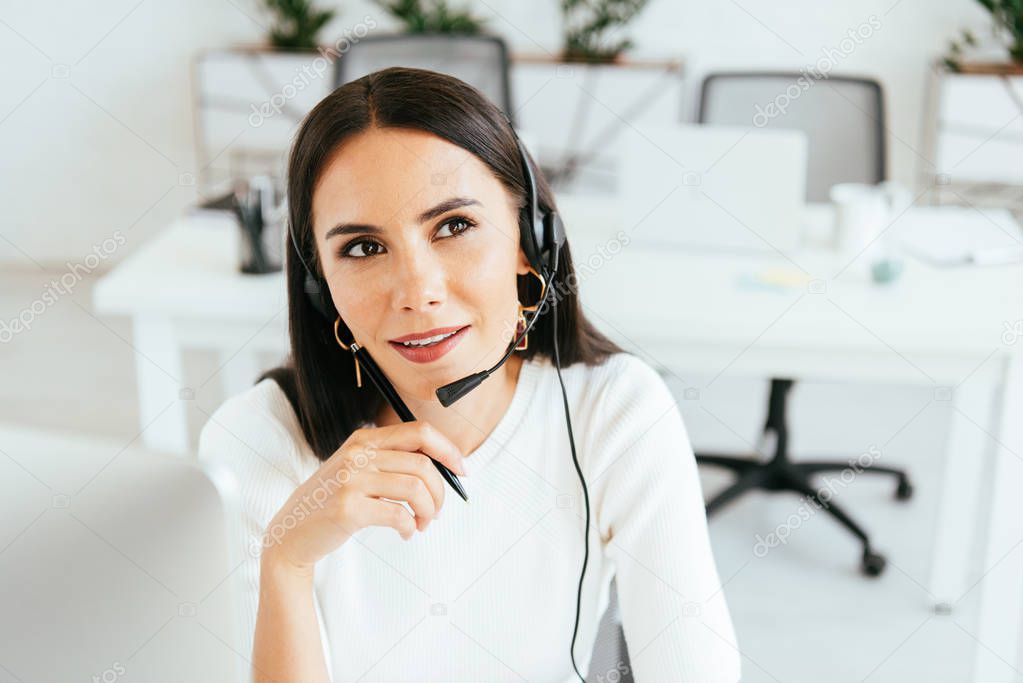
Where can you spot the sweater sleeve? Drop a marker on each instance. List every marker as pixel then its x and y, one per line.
pixel 649 508
pixel 252 445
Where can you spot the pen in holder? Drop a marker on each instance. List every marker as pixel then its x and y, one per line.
pixel 259 209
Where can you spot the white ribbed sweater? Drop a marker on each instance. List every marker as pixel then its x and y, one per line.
pixel 487 593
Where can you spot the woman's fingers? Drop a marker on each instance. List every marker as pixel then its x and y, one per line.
pixel 406 487
pixel 416 464
pixel 385 513
pixel 368 480
pixel 420 436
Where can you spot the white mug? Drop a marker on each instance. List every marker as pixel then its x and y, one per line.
pixel 863 212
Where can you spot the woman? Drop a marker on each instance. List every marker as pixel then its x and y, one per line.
pixel 407 197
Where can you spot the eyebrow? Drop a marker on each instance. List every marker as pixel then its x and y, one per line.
pixel 439 209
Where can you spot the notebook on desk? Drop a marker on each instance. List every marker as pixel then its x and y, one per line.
pixel 956 235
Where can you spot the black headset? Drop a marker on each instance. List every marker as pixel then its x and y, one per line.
pixel 542 241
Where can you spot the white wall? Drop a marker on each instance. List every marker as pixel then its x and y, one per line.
pixel 96 126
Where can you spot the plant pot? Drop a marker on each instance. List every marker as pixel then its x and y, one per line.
pixel 586 58
pixel 1014 68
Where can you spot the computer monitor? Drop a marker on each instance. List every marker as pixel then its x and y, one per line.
pixel 711 186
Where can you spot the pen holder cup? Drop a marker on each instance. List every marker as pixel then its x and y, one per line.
pixel 262 221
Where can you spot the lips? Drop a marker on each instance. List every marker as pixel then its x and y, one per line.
pixel 428 354
pixel 427 334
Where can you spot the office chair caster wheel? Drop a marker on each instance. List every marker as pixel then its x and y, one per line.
pixel 872 564
pixel 904 490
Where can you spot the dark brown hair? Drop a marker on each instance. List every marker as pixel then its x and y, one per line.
pixel 319 376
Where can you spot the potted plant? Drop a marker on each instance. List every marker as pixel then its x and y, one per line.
pixel 1007 27
pixel 590 24
pixel 295 23
pixel 432 16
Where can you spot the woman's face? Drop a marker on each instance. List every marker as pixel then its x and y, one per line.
pixel 414 234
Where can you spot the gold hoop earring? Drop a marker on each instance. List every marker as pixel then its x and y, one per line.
pixel 358 372
pixel 543 291
pixel 519 326
pixel 521 321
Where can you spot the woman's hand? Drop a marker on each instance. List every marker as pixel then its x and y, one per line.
pixel 345 494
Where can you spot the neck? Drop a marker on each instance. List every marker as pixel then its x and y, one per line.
pixel 470 420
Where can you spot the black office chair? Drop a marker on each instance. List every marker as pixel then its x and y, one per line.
pixel 481 61
pixel 844 121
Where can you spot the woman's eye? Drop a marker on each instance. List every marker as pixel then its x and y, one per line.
pixel 459 220
pixel 365 245
pixel 364 248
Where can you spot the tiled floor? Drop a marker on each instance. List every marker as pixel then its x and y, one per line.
pixel 802 612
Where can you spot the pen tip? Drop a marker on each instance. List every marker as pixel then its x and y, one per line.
pixel 457 485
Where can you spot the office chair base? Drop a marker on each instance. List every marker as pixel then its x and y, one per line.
pixel 873 563
pixel 781 474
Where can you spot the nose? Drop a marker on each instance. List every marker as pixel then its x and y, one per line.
pixel 419 284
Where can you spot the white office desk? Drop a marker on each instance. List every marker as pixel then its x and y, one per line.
pixel 691 312
pixel 941 327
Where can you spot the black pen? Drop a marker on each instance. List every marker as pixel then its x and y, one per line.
pixel 392 397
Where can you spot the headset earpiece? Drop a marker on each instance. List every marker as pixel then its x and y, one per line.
pixel 553 239
pixel 546 233
pixel 314 292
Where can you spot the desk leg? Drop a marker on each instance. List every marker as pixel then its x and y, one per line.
pixel 958 509
pixel 1001 586
pixel 162 415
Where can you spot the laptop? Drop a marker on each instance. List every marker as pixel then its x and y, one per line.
pixel 115 564
pixel 713 186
